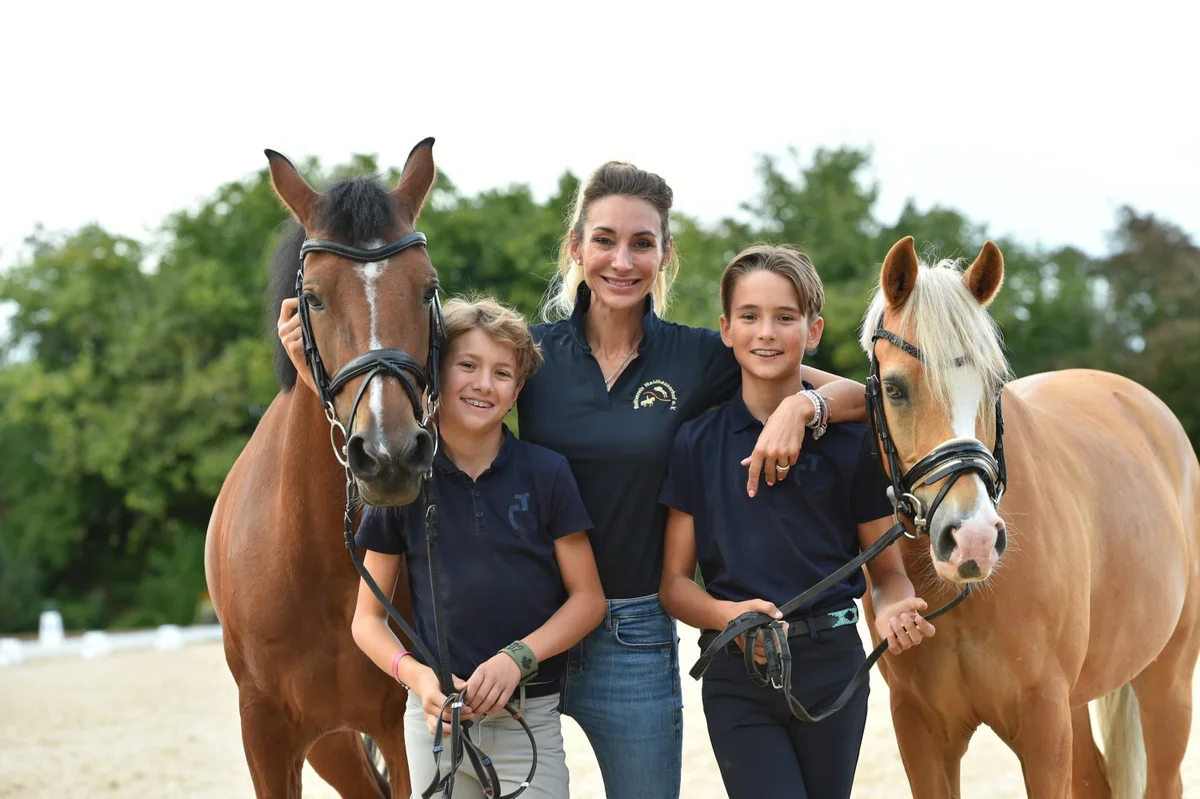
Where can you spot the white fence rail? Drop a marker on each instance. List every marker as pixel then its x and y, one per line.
pixel 53 642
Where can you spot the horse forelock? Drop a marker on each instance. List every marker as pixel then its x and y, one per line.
pixel 952 330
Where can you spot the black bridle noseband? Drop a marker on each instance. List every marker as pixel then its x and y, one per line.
pixel 951 460
pixel 421 386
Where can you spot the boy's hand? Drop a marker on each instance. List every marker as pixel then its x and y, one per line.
pixel 492 684
pixel 292 338
pixel 432 700
pixel 901 624
pixel 736 609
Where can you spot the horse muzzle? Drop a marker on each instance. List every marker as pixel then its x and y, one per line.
pixel 967 550
pixel 389 470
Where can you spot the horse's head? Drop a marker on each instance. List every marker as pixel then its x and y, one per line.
pixel 369 297
pixel 936 370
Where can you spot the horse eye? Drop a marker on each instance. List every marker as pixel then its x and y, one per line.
pixel 893 391
pixel 431 293
pixel 313 301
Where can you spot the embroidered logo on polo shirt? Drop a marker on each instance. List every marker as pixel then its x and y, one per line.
pixel 654 393
pixel 523 499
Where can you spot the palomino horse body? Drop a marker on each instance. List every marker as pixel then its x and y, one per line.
pixel 1098 596
pixel 282 582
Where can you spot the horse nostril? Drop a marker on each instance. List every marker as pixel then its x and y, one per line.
pixel 364 459
pixel 421 455
pixel 1001 538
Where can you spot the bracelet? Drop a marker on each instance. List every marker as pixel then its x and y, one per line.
pixel 820 419
pixel 523 656
pixel 396 663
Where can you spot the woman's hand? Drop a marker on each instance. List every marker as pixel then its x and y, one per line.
pixel 779 443
pixel 492 684
pixel 735 609
pixel 292 338
pixel 901 624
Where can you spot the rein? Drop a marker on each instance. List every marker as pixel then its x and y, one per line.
pixel 952 460
pixel 420 383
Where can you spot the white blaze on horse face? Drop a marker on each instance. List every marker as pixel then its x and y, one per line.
pixel 977 532
pixel 370 272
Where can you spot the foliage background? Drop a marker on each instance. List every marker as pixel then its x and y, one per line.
pixel 134 372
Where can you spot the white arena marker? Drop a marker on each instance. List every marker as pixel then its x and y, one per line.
pixel 50 629
pixel 95 644
pixel 168 636
pixel 10 652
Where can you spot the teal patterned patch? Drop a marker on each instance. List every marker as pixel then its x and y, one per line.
pixel 843 617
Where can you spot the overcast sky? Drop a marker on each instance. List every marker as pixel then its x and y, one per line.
pixel 1038 119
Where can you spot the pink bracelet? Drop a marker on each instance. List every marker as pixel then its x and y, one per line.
pixel 396 663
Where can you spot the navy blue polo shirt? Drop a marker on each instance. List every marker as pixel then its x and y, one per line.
pixel 618 442
pixel 500 579
pixel 791 535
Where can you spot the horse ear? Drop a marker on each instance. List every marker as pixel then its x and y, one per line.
pixel 899 273
pixel 417 178
pixel 984 277
pixel 295 192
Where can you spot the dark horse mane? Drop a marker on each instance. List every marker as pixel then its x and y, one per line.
pixel 354 211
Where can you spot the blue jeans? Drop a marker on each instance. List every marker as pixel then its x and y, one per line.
pixel 622 688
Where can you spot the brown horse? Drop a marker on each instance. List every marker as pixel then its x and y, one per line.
pixel 1096 598
pixel 282 582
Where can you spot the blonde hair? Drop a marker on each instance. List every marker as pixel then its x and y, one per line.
pixel 778 259
pixel 614 178
pixel 500 323
pixel 949 326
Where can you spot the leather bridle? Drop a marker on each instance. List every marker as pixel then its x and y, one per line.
pixel 422 387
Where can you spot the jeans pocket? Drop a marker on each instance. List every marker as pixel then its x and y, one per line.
pixel 644 630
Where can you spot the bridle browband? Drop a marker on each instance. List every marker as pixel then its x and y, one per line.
pixel 423 390
pixel 951 460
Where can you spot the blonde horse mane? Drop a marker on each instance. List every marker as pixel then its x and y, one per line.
pixel 951 328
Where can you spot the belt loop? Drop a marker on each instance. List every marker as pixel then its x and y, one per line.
pixel 521 703
pixel 812 626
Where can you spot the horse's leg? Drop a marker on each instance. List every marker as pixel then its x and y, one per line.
pixel 931 749
pixel 396 757
pixel 1041 739
pixel 274 747
pixel 1088 777
pixel 340 758
pixel 1164 694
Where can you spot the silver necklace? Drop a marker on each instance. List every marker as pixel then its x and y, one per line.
pixel 608 381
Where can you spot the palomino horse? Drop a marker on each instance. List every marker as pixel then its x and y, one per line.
pixel 281 580
pixel 1095 598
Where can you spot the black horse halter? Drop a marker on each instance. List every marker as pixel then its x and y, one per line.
pixel 420 383
pixel 952 460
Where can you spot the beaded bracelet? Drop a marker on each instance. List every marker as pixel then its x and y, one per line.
pixel 820 419
pixel 523 656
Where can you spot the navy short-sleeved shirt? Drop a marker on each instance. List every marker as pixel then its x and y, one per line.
pixel 789 536
pixel 618 442
pixel 500 579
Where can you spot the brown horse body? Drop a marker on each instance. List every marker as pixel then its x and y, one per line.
pixel 281 580
pixel 1099 593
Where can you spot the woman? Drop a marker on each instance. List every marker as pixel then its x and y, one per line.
pixel 616 384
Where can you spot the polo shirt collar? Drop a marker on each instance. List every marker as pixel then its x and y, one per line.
pixel 583 300
pixel 507 444
pixel 740 417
